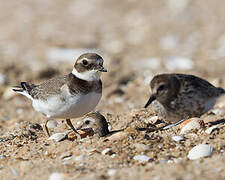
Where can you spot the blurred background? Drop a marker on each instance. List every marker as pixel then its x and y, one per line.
pixel 138 39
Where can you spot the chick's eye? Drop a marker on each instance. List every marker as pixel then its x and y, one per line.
pixel 87 122
pixel 84 62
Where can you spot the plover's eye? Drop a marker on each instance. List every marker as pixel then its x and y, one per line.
pixel 87 122
pixel 85 62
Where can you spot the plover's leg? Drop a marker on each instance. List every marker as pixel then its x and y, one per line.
pixel 46 128
pixel 68 121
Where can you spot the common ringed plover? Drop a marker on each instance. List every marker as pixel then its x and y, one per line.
pixel 68 96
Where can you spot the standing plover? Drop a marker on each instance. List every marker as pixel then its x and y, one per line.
pixel 69 96
pixel 181 96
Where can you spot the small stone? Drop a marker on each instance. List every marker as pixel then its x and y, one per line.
pixel 78 158
pixel 141 147
pixel 117 136
pixel 111 172
pixel 178 138
pixel 57 176
pixel 107 151
pixel 52 124
pixel 141 158
pixel 3 79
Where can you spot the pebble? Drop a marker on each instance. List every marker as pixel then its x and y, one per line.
pixel 141 158
pixel 78 158
pixel 111 172
pixel 57 176
pixel 57 136
pixel 179 63
pixel 178 138
pixel 141 147
pixel 200 151
pixel 52 124
pixel 107 151
pixel 3 79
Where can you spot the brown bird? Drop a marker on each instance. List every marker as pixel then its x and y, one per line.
pixel 181 96
pixel 69 96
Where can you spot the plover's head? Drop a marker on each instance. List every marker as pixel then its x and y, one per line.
pixel 164 88
pixel 97 122
pixel 89 67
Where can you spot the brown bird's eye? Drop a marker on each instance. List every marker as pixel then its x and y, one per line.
pixel 85 62
pixel 87 122
pixel 161 87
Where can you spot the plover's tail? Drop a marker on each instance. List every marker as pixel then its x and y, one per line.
pixel 24 89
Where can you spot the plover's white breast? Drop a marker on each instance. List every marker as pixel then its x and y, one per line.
pixel 65 105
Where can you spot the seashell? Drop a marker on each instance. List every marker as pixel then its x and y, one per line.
pixel 200 151
pixel 178 138
pixel 57 137
pixel 141 158
pixel 211 129
pixel 191 124
pixel 83 133
pixel 107 151
pixel 116 136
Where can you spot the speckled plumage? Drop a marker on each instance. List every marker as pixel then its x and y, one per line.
pixel 182 96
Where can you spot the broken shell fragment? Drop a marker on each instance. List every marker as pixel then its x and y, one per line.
pixel 191 124
pixel 117 136
pixel 57 137
pixel 83 133
pixel 200 151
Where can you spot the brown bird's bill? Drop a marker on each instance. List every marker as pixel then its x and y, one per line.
pixel 151 99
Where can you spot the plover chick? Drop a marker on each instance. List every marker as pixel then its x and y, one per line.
pixel 180 96
pixel 68 96
pixel 97 122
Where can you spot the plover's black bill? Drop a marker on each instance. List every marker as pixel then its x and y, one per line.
pixel 152 98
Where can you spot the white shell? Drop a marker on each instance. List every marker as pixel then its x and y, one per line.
pixel 106 151
pixel 57 136
pixel 57 176
pixel 178 138
pixel 199 151
pixel 52 124
pixel 211 129
pixel 141 158
pixel 195 123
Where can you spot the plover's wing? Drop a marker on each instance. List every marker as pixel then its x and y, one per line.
pixel 42 91
pixel 49 88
